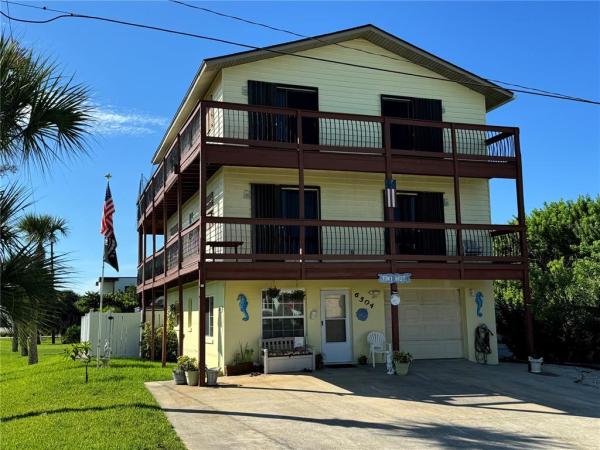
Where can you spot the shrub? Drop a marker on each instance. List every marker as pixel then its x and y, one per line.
pixel 147 340
pixel 71 335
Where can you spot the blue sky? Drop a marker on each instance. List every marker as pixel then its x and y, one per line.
pixel 139 77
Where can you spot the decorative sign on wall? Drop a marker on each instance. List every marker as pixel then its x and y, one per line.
pixel 389 278
pixel 479 301
pixel 362 314
pixel 243 302
pixel 364 300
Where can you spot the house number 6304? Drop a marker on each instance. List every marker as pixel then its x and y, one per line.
pixel 364 300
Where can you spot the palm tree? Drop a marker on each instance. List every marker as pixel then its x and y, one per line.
pixel 27 278
pixel 43 115
pixel 42 229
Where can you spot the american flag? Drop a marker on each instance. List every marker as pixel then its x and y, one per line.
pixel 107 230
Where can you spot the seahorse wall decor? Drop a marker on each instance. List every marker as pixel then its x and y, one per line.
pixel 479 301
pixel 243 301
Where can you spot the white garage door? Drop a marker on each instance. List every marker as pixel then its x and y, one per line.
pixel 430 323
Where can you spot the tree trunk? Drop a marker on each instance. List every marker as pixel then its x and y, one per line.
pixel 39 338
pixel 53 337
pixel 15 339
pixel 33 350
pixel 24 343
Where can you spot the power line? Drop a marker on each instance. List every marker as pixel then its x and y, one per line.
pixel 315 38
pixel 9 21
pixel 66 14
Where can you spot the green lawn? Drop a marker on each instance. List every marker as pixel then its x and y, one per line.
pixel 50 406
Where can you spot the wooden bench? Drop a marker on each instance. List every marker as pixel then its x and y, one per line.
pixel 281 355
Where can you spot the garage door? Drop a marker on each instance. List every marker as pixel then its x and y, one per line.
pixel 430 323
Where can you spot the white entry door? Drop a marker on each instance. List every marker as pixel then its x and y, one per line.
pixel 336 340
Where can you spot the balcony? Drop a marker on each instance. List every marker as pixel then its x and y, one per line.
pixel 238 134
pixel 241 248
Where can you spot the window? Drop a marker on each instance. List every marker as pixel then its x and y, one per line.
pixel 282 314
pixel 189 313
pixel 209 316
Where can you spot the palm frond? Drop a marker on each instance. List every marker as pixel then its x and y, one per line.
pixel 44 115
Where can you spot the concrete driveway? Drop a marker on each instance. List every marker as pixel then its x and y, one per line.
pixel 440 404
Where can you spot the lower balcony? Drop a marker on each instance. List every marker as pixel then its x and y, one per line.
pixel 241 248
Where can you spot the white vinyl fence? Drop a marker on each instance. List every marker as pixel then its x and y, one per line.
pixel 122 332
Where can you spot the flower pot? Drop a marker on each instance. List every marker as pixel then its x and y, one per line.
pixel 239 369
pixel 211 376
pixel 192 377
pixel 401 368
pixel 535 364
pixel 179 377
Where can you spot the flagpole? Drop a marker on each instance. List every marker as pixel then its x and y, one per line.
pixel 98 344
pixel 100 316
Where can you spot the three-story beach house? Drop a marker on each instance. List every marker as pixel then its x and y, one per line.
pixel 293 194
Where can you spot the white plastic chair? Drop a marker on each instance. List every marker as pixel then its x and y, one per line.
pixel 376 340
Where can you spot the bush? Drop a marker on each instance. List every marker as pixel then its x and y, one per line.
pixel 72 335
pixel 171 343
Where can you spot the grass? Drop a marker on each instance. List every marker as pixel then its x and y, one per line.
pixel 48 405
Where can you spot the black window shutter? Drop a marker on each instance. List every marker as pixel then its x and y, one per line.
pixel 266 201
pixel 428 139
pixel 260 125
pixel 430 208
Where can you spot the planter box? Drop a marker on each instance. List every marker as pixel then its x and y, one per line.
pixel 295 363
pixel 239 369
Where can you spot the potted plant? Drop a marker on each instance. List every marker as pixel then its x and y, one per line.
pixel 179 370
pixel 273 292
pixel 401 361
pixel 296 295
pixel 190 367
pixel 362 360
pixel 242 362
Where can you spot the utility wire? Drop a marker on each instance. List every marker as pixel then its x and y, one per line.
pixel 315 38
pixel 66 14
pixel 9 21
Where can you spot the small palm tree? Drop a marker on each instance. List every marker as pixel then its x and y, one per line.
pixel 42 229
pixel 43 115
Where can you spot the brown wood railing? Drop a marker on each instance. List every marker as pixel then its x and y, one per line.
pixel 251 127
pixel 243 239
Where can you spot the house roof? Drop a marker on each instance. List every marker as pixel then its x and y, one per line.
pixel 495 95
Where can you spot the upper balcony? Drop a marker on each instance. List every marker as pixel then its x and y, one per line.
pixel 247 135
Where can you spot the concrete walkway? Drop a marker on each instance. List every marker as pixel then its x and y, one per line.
pixel 440 404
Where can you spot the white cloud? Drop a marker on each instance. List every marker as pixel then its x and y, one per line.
pixel 110 121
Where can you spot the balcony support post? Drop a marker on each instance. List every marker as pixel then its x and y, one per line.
pixel 153 239
pixel 202 255
pixel 179 258
pixel 165 321
pixel 456 179
pixel 301 198
pixel 389 216
pixel 524 247
pixel 152 324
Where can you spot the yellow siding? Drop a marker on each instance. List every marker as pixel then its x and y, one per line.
pixel 355 90
pixel 190 209
pixel 249 332
pixel 214 343
pixel 351 196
